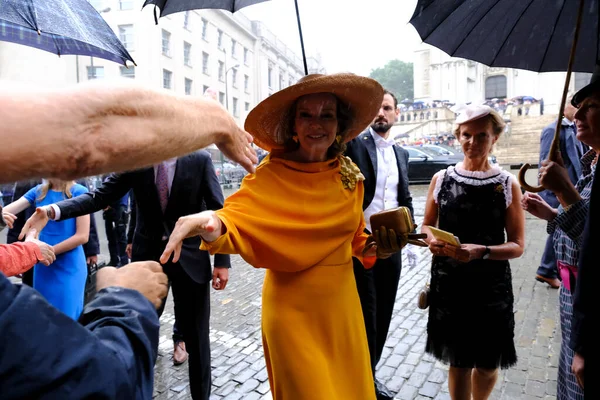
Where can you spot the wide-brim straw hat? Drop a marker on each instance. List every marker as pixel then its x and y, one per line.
pixel 269 121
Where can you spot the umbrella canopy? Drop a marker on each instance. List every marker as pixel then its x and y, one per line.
pixel 172 6
pixel 60 27
pixel 528 34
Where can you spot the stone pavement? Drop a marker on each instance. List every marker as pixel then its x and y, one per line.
pixel 239 368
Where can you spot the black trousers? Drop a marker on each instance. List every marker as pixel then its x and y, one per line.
pixel 377 288
pixel 115 222
pixel 192 313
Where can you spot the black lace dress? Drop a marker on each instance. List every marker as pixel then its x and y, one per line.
pixel 471 321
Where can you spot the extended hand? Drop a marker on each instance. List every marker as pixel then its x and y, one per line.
pixel 9 218
pixel 537 206
pixel 37 221
pixel 236 145
pixel 48 256
pixel 146 277
pixel 201 224
pixel 220 278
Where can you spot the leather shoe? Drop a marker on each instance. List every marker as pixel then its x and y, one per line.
pixel 179 354
pixel 553 282
pixel 382 392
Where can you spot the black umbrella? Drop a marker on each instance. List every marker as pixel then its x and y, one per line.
pixel 536 35
pixel 173 6
pixel 60 27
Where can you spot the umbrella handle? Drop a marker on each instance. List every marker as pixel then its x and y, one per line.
pixel 554 149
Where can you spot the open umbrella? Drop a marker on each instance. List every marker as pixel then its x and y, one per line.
pixel 60 27
pixel 172 6
pixel 536 35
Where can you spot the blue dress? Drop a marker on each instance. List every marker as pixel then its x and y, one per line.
pixel 63 282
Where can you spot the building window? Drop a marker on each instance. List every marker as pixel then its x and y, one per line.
pixel 204 29
pixel 235 107
pixel 270 77
pixel 246 106
pixel 187 54
pixel 186 21
pixel 126 36
pixel 95 73
pixel 234 77
pixel 167 79
pixel 220 39
pixel 495 87
pixel 205 69
pixel 233 48
pixel 281 80
pixel 204 89
pixel 97 4
pixel 221 73
pixel 246 57
pixel 127 72
pixel 188 86
pixel 246 84
pixel 222 98
pixel 125 5
pixel 166 43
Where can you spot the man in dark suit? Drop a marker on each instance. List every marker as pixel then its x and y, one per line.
pixel 585 332
pixel 163 193
pixel 571 151
pixel 385 167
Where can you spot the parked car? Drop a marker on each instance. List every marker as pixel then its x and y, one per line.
pixel 441 149
pixel 423 163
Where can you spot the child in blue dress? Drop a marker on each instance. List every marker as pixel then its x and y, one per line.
pixel 63 282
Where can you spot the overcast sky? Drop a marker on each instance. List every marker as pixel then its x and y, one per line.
pixel 351 35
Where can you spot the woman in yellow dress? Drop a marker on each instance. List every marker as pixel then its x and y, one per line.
pixel 300 217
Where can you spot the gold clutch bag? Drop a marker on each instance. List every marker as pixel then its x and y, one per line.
pixel 400 221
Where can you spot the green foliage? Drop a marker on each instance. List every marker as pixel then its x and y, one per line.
pixel 397 77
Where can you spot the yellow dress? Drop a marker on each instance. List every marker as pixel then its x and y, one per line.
pixel 299 222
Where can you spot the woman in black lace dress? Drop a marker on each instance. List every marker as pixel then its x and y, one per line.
pixel 471 322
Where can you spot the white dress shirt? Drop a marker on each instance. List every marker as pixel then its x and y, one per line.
pixel 171 163
pixel 386 187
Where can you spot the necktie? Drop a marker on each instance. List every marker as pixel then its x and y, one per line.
pixel 162 185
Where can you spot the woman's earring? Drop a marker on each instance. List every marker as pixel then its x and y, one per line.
pixel 295 138
pixel 338 139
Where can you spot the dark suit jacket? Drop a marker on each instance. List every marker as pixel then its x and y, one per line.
pixel 569 151
pixel 363 152
pixel 194 184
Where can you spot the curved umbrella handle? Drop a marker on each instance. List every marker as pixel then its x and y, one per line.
pixel 554 149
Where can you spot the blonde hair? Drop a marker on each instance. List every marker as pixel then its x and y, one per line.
pixel 65 188
pixel 496 119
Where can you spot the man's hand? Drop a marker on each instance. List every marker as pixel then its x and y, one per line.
pixel 146 277
pixel 37 221
pixel 220 278
pixel 92 259
pixel 48 256
pixel 128 250
pixel 236 145
pixel 578 367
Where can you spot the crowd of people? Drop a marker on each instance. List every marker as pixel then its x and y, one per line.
pixel 303 213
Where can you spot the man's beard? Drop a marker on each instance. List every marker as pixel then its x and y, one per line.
pixel 381 127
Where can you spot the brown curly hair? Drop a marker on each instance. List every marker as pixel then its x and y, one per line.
pixel 343 115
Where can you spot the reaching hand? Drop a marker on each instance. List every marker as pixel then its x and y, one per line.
pixel 9 218
pixel 537 206
pixel 146 277
pixel 236 145
pixel 48 256
pixel 37 221
pixel 205 224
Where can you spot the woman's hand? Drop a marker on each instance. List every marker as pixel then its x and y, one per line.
pixel 205 224
pixel 553 176
pixel 464 253
pixel 537 206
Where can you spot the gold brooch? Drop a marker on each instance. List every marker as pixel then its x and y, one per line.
pixel 350 173
pixel 499 188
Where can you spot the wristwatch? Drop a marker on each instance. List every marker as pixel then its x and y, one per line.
pixel 486 253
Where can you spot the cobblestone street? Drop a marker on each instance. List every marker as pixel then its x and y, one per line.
pixel 239 369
